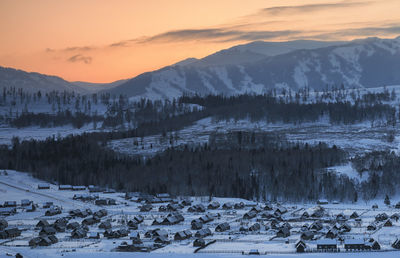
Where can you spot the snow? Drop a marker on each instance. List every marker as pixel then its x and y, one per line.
pixel 18 185
pixel 38 133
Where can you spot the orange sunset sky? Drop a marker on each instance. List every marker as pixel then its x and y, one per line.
pixel 104 40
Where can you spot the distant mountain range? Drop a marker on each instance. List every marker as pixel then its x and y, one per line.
pixel 33 82
pixel 253 68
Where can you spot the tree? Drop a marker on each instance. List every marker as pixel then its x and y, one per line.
pixel 387 200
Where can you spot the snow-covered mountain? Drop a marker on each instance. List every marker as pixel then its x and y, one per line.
pixel 33 82
pixel 253 68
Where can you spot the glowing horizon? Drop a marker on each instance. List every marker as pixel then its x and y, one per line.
pixel 104 41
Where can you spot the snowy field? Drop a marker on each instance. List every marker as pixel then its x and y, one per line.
pixel 356 139
pixel 15 186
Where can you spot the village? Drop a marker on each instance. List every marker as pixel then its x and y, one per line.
pixel 35 215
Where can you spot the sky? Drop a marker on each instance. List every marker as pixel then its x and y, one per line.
pixel 103 41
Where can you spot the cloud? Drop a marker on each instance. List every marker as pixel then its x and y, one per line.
pixel 290 9
pixel 389 30
pixel 80 58
pixel 215 35
pixel 83 48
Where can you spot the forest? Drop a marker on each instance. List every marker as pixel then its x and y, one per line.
pixel 254 166
pixel 339 106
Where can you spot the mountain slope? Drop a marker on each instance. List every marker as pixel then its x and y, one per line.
pixel 360 63
pixel 33 82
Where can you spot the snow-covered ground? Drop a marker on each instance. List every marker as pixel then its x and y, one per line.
pixel 357 138
pixel 15 186
pixel 38 133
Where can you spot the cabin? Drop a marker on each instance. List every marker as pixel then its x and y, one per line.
pixel 31 208
pixel 268 207
pixel 327 245
pixel 182 235
pixel 162 240
pixel 47 205
pixel 375 206
pixel 332 233
pixel 199 242
pixel 388 223
pixel 100 213
pixel 95 189
pixel 250 215
pixel 345 228
pixel 73 225
pixel 53 211
pixel 300 247
pixel 64 187
pixel 94 235
pixel 159 232
pixel 214 205
pixel 44 241
pixel 101 202
pixel 164 197
pixel 283 232
pixel 239 206
pixel 59 227
pixel 280 210
pixel 307 235
pixel 8 204
pixel 138 219
pixel 381 217
pixel 255 227
pixel 395 216
pixel 354 215
pixel 25 202
pixel 316 226
pixel 202 233
pixel 42 223
pixel 170 220
pixel 206 219
pixel 105 225
pixel 397 206
pixel 90 221
pixel 256 209
pixel 322 201
pixel 12 232
pixel 186 202
pixel 47 231
pixel 43 186
pixel 305 215
pixel 196 224
pixel 197 208
pixel 146 208
pixel 396 244
pixel 371 226
pixel 354 245
pixel 3 235
pixel 78 233
pixel 78 188
pixel 132 225
pixel 228 206
pixel 222 227
pixel 173 207
pixel 374 245
pixel 340 217
pixel 135 237
pixel 3 224
pixel 34 241
pixel 318 213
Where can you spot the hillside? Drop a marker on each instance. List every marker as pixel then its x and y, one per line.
pixel 361 63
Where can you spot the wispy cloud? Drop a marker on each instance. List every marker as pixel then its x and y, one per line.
pixel 80 58
pixel 82 49
pixel 290 9
pixel 388 30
